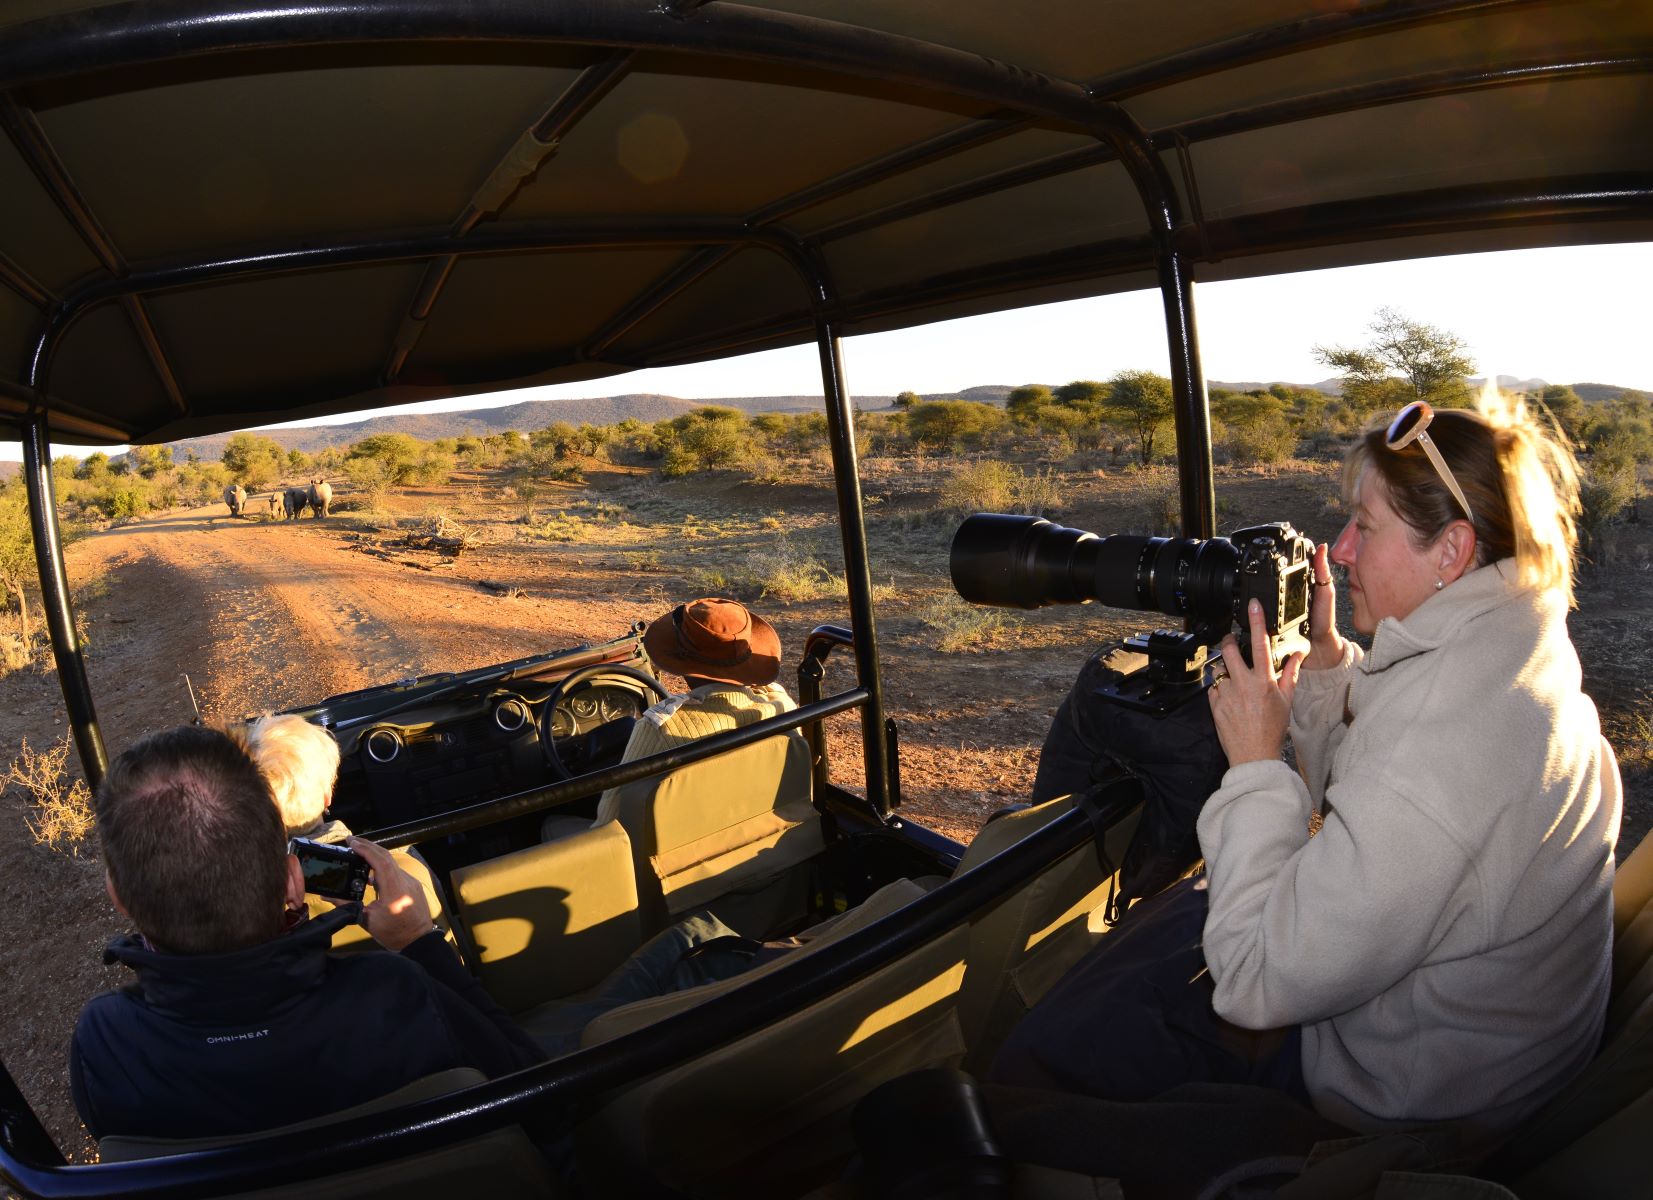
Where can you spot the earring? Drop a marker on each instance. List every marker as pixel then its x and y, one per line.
pixel 1439 584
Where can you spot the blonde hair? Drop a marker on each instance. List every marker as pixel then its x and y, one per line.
pixel 1517 471
pixel 300 761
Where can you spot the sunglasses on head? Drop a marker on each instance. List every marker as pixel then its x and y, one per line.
pixel 1410 425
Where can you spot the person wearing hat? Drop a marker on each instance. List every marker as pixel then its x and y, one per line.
pixel 731 659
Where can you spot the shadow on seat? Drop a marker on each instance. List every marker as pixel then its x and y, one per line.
pixel 724 833
pixel 551 920
pixel 772 1108
pixel 502 1164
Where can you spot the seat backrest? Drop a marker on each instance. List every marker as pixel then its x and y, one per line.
pixel 721 825
pixel 553 919
pixel 1023 944
pixel 1591 1139
pixel 503 1163
pixel 755 1116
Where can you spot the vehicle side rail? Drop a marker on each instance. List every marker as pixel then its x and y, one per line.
pixel 822 640
pixel 491 812
pixel 566 1082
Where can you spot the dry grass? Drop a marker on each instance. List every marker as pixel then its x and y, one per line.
pixel 14 654
pixel 964 627
pixel 60 813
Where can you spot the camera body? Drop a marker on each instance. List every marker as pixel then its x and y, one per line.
pixel 336 872
pixel 1275 568
pixel 1029 562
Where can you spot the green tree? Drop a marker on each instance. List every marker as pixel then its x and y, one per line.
pixel 150 461
pixel 1024 403
pixel 253 459
pixel 16 552
pixel 398 455
pixel 953 423
pixel 907 399
pixel 559 437
pixel 1406 360
pixel 1085 395
pixel 94 467
pixel 1140 403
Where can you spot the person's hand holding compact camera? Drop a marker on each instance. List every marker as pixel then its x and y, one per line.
pixel 400 914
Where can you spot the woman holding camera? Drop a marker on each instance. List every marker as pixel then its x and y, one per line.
pixel 1443 937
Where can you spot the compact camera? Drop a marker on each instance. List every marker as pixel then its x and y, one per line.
pixel 336 872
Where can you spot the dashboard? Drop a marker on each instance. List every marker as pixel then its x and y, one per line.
pixel 426 746
pixel 599 704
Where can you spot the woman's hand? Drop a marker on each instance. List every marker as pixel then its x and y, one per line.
pixel 399 914
pixel 1326 645
pixel 1252 706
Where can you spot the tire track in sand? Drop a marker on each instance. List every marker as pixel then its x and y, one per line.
pixel 284 617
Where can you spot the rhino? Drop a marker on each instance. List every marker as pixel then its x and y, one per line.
pixel 236 497
pixel 320 497
pixel 294 500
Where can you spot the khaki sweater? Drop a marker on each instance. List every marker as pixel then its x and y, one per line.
pixel 1445 940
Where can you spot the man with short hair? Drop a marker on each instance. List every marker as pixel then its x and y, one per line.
pixel 238 1019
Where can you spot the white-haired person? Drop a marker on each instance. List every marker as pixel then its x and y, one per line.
pixel 1416 924
pixel 300 762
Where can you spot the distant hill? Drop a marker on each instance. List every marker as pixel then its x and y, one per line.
pixel 523 417
pixel 10 470
pixel 529 415
pixel 1595 393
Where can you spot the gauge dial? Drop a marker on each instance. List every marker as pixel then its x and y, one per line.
pixel 562 723
pixel 618 703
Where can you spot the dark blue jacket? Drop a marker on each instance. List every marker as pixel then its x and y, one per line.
pixel 218 1044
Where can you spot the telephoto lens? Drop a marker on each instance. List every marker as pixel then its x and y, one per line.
pixel 1028 562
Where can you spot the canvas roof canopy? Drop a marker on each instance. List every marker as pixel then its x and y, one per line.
pixel 216 215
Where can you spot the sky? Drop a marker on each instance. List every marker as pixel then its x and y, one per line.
pixel 1562 314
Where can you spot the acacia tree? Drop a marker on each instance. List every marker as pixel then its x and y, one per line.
pixel 253 459
pixel 1023 403
pixel 1140 402
pixel 1406 360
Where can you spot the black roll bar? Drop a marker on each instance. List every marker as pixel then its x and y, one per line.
pixel 852 526
pixel 491 812
pixel 54 595
pixel 581 1077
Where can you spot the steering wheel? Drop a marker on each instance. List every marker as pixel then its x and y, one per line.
pixel 573 682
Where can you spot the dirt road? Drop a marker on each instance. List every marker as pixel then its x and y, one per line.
pixel 266 615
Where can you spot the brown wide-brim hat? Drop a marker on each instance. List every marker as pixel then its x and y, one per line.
pixel 716 639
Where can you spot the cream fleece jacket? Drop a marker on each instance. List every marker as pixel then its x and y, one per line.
pixel 1445 940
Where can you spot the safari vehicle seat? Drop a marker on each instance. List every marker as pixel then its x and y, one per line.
pixel 728 829
pixel 503 1163
pixel 1022 945
pixel 1591 1140
pixel 762 1113
pixel 552 920
pixel 786 1089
